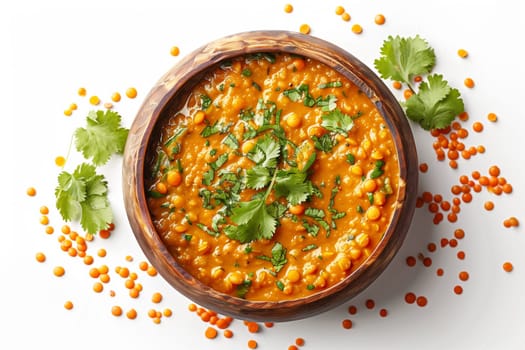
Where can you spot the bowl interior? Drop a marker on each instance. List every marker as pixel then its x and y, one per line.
pixel 169 95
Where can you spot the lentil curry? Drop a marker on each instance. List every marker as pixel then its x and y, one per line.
pixel 275 180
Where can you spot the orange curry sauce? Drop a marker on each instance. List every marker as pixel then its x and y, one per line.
pixel 276 179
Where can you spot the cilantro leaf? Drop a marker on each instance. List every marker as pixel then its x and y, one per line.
pixel 253 222
pixel 337 121
pixel 278 256
pixel 404 58
pixel 265 152
pixel 101 137
pixel 293 185
pixel 435 105
pixel 82 196
pixel 257 177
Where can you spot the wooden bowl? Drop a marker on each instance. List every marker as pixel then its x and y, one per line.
pixel 166 97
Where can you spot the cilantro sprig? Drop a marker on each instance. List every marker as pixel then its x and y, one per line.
pixel 82 195
pixel 435 104
pixel 255 219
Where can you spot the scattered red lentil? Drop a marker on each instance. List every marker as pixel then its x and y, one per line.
pixel 299 342
pixel 59 271
pixel 44 220
pixel 461 255
pixel 469 83
pixel 507 266
pixel 423 167
pixel 458 289
pixel 174 51
pixel 68 305
pixel 252 344
pixel 463 275
pixel 304 28
pixel 411 261
pixel 346 323
pixel 421 301
pixel 210 333
pixel 293 347
pixel 370 304
pixel 492 117
pixel 383 312
pixel 379 19
pixel 345 16
pixel 131 314
pixel 410 298
pixel 352 309
pixel 339 10
pixel 94 100
pixel 440 272
pixel 288 8
pixel 462 53
pixel 397 85
pixel 477 126
pixel 357 29
pixel 116 311
pixel 131 92
pixel 60 161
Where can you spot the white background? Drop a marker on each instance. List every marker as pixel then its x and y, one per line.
pixel 51 48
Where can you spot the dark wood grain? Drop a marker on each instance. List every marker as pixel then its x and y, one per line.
pixel 167 96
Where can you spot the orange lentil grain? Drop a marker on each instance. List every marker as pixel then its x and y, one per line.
pixel 304 28
pixel 131 92
pixel 228 333
pixel 101 252
pixel 346 323
pixel 453 164
pixel 143 265
pixel 507 188
pixel 458 289
pixel 423 167
pixel 288 8
pixel 507 266
pixel 477 127
pixel 192 307
pixel 104 234
pixel 94 100
pixel 252 344
pixel 411 261
pixel 462 53
pixel 440 272
pixel 407 93
pixel 488 205
pixel 427 262
pixel 293 347
pixel 421 301
pixel 352 309
pixel 49 230
pixel 253 327
pixel 383 312
pixel 397 85
pixel 98 287
pixel 299 341
pixel 410 298
pixel 492 117
pixel 443 242
pixel 40 257
pixel 379 19
pixel 469 82
pixel 461 255
pixel 116 311
pixel 453 243
pixel 370 304
pixel 59 271
pixel 463 275
pixel 131 314
pixel 357 29
pixel 459 233
pixel 345 16
pixel 431 247
pixel 68 305
pixel 152 271
pixel 156 297
pixel 268 324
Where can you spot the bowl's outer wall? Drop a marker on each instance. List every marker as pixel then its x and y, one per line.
pixel 168 95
